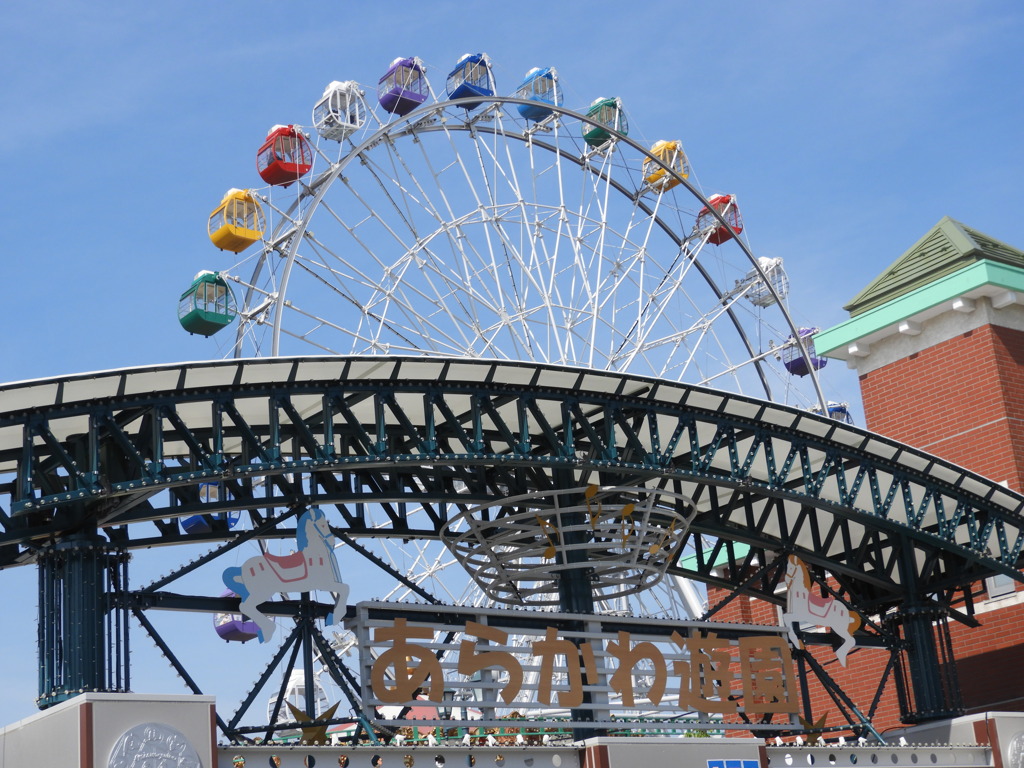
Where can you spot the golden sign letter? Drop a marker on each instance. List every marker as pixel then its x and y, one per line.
pixel 547 649
pixel 628 657
pixel 407 680
pixel 766 665
pixel 471 662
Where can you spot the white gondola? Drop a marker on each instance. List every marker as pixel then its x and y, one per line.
pixel 760 294
pixel 341 111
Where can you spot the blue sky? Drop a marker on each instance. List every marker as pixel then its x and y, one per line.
pixel 847 131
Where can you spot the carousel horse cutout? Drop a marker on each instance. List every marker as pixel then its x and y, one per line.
pixel 804 606
pixel 311 568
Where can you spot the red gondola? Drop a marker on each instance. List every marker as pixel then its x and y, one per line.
pixel 725 205
pixel 284 157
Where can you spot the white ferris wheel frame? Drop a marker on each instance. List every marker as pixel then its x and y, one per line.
pixel 293 227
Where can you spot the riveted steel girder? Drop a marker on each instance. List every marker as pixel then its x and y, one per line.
pixel 126 451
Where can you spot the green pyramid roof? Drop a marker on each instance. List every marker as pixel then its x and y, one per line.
pixel 946 248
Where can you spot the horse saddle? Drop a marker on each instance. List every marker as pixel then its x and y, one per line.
pixel 291 567
pixel 819 605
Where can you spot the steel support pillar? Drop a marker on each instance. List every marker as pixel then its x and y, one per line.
pixel 308 675
pixel 576 595
pixel 927 682
pixel 83 627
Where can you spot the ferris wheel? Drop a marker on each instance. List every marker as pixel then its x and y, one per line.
pixel 476 225
pixel 501 227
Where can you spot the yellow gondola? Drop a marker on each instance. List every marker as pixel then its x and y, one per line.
pixel 237 222
pixel 670 154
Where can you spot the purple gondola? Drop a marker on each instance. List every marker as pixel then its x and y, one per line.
pixel 403 87
pixel 794 359
pixel 234 627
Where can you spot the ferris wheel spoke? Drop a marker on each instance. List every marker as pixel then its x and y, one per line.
pixel 653 313
pixel 515 262
pixel 338 279
pixel 259 292
pixel 452 282
pixel 730 363
pixel 258 301
pixel 373 213
pixel 420 194
pixel 731 370
pixel 447 212
pixel 489 198
pixel 392 273
pixel 671 283
pixel 318 150
pixel 340 285
pixel 489 212
pixel 504 169
pixel 564 331
pixel 350 273
pixel 594 196
pixel 578 285
pixel 424 307
pixel 286 223
pixel 695 346
pixel 619 274
pixel 331 269
pixel 414 573
pixel 459 163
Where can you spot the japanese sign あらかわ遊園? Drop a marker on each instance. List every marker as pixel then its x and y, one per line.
pixel 531 669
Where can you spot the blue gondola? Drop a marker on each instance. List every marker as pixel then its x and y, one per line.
pixel 471 77
pixel 540 86
pixel 200 524
pixel 838 411
pixel 208 492
pixel 403 87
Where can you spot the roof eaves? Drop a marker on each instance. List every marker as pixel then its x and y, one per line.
pixel 981 277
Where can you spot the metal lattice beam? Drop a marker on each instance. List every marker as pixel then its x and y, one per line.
pixel 395 432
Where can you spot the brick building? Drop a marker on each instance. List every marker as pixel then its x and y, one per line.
pixel 938 342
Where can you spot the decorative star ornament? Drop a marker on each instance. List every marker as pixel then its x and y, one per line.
pixel 316 730
pixel 816 727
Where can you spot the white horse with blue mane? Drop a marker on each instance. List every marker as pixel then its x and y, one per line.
pixel 311 568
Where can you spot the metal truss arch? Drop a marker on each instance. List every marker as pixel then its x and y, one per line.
pixel 126 450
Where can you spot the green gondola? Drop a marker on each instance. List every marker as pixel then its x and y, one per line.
pixel 610 115
pixel 207 306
